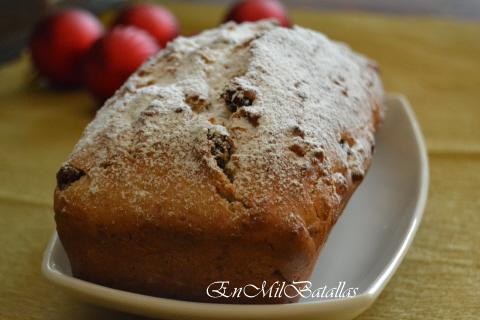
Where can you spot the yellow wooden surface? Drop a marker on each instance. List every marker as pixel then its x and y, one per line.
pixel 436 63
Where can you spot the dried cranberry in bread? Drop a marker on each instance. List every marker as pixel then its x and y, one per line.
pixel 228 156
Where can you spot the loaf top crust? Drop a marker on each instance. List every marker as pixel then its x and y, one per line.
pixel 239 124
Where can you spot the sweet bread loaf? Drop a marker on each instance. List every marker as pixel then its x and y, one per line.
pixel 228 156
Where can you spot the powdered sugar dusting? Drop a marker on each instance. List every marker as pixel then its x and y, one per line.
pixel 261 114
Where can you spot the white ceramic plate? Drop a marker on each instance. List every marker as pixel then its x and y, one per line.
pixel 364 249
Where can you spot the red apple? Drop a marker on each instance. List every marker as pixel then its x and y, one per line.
pixel 254 10
pixel 114 57
pixel 59 43
pixel 156 20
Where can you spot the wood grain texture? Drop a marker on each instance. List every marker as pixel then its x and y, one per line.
pixel 434 62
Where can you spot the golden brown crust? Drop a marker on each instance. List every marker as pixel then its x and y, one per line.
pixel 209 174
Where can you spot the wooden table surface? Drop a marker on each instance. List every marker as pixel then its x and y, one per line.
pixel 434 62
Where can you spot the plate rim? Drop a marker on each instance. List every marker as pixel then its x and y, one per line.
pixel 423 182
pixel 165 306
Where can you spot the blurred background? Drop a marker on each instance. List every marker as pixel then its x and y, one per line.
pixel 18 17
